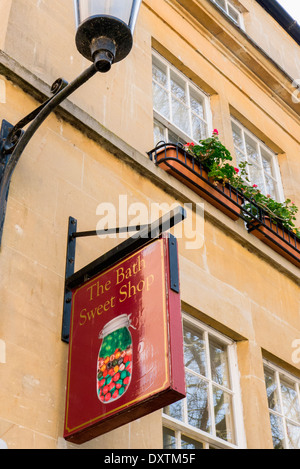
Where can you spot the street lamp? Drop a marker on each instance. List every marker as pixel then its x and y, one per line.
pixel 105 30
pixel 104 36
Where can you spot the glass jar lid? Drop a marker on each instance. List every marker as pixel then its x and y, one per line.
pixel 114 325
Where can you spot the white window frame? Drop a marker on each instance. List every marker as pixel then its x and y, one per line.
pixel 189 85
pixel 210 439
pixel 276 177
pixel 229 5
pixel 281 372
pixel 167 128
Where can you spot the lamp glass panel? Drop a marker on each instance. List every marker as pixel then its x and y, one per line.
pixel 120 9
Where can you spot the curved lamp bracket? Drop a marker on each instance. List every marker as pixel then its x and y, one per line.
pixel 104 40
pixel 13 139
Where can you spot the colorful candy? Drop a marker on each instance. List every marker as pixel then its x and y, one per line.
pixel 114 379
pixel 114 367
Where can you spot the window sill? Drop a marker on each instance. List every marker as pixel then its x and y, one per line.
pixel 193 432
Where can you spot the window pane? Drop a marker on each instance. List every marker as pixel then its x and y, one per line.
pixel 272 391
pixel 180 116
pixel 199 128
pixel 194 350
pixel 158 133
pixel 223 415
pixel 293 432
pixel 270 187
pixel 197 403
pixel 256 176
pixel 290 400
pixel 241 159
pixel 233 14
pixel 252 149
pixel 219 362
pixel 188 443
pixel 174 410
pixel 178 87
pixel 221 4
pixel 161 101
pixel 261 160
pixel 197 104
pixel 277 431
pixel 173 138
pixel 237 137
pixel 208 406
pixel 266 161
pixel 169 440
pixel 159 72
pixel 179 102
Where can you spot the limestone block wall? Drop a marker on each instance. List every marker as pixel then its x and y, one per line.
pixel 93 151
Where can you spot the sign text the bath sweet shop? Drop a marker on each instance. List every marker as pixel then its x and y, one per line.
pixel 130 281
pixel 123 352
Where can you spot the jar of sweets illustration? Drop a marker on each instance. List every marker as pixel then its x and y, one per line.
pixel 114 368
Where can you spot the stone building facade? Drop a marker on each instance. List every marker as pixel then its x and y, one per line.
pixel 196 66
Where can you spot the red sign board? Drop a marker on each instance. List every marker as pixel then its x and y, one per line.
pixel 125 352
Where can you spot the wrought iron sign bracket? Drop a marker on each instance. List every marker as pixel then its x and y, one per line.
pixel 144 234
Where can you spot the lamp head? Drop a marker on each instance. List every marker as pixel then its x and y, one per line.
pixel 105 30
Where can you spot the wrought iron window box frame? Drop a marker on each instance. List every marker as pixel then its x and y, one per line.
pixel 275 235
pixel 184 167
pixel 187 169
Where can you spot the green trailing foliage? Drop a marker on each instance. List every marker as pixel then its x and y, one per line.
pixel 215 158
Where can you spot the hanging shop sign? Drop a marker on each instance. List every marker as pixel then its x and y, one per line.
pixel 126 344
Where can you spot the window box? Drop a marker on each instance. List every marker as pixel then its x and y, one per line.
pixel 184 167
pixel 277 237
